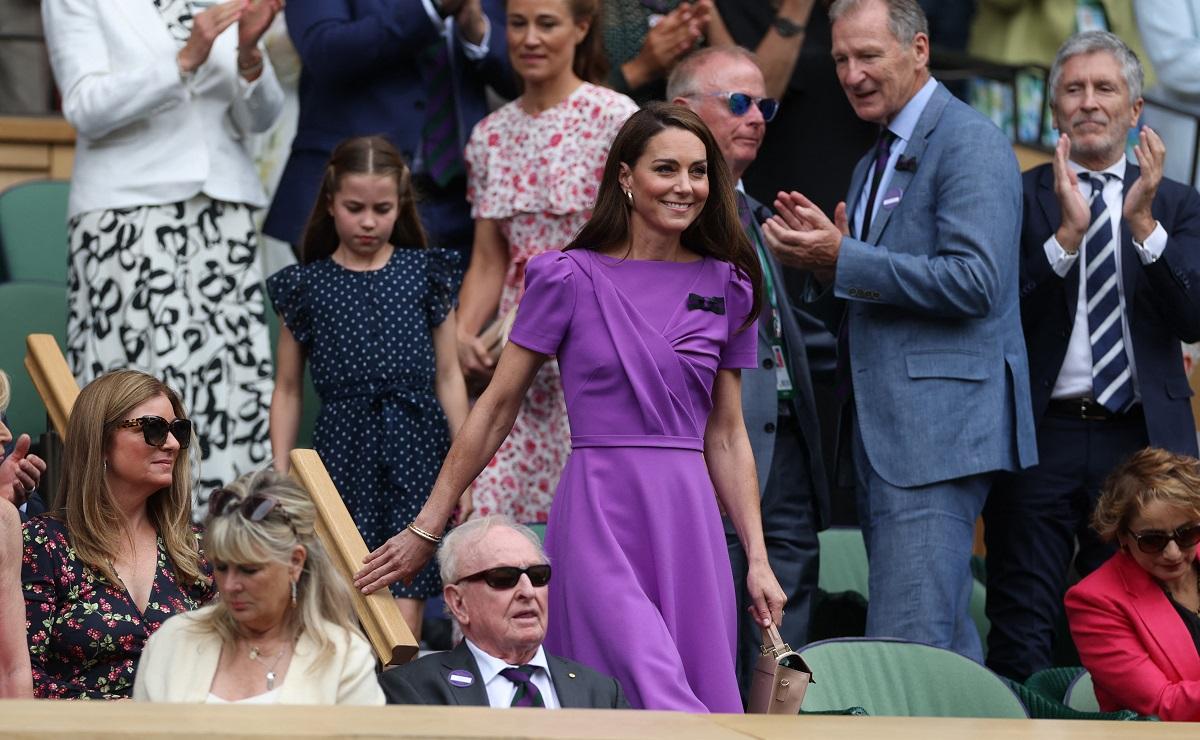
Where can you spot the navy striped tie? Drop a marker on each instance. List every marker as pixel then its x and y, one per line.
pixel 1112 381
pixel 439 134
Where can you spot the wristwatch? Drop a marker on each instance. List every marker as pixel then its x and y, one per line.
pixel 786 27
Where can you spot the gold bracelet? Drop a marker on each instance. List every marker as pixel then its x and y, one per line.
pixel 429 537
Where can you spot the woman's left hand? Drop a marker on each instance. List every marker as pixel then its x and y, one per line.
pixel 255 20
pixel 766 594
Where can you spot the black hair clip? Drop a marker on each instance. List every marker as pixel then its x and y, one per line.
pixel 716 303
pixel 906 164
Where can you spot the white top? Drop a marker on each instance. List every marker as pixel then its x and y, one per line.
pixel 267 697
pixel 500 690
pixel 1075 375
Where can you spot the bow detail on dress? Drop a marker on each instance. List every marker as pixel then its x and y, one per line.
pixel 716 303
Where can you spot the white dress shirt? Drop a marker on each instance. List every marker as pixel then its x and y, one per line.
pixel 500 690
pixel 1075 375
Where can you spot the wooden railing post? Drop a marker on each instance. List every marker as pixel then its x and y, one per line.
pixel 52 378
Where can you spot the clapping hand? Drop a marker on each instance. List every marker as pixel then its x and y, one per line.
pixel 255 20
pixel 1151 155
pixel 802 236
pixel 207 25
pixel 20 473
pixel 1076 215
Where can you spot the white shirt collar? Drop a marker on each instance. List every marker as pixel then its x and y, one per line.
pixel 490 666
pixel 906 120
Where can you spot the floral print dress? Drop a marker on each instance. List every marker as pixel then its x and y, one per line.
pixel 86 634
pixel 536 176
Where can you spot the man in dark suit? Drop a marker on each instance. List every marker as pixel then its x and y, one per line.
pixel 722 84
pixel 494 576
pixel 919 280
pixel 1110 285
pixel 415 71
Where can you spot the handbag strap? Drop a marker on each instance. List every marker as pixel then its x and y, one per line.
pixel 773 643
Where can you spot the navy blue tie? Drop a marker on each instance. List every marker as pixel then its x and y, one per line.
pixel 1112 381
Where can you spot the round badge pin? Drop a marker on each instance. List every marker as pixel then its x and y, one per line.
pixel 891 198
pixel 461 679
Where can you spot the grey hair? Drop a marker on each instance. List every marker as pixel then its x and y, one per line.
pixel 1093 42
pixel 905 17
pixel 466 536
pixel 682 81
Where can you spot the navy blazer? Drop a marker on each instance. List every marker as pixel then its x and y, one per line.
pixel 760 399
pixel 362 74
pixel 427 681
pixel 1162 304
pixel 941 383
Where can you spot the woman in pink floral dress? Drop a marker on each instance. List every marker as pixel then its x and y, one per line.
pixel 533 167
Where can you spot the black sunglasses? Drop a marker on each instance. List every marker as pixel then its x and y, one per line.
pixel 507 576
pixel 739 103
pixel 155 428
pixel 255 507
pixel 1153 543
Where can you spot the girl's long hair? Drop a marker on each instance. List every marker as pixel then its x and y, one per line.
pixel 717 232
pixel 362 155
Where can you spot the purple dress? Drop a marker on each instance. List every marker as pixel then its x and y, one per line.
pixel 642 585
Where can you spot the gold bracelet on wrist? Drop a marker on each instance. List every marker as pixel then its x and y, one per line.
pixel 429 537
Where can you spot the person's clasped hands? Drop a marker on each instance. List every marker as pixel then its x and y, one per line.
pixel 802 236
pixel 20 472
pixel 253 18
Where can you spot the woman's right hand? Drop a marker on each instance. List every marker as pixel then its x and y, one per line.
pixel 398 559
pixel 206 27
pixel 474 358
pixel 673 36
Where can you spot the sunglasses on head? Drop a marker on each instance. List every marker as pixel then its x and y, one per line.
pixel 1154 542
pixel 254 507
pixel 155 428
pixel 739 103
pixel 507 576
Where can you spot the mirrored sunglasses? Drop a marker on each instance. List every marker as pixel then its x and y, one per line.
pixel 507 576
pixel 155 428
pixel 739 104
pixel 1153 542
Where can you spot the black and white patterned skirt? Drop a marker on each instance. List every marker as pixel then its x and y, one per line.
pixel 176 291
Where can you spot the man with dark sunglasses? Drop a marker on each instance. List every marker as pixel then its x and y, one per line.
pixel 495 576
pixel 725 87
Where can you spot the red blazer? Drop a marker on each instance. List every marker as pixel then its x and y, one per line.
pixel 1134 643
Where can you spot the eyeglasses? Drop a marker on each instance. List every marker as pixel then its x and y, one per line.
pixel 155 428
pixel 507 576
pixel 1153 543
pixel 739 103
pixel 255 507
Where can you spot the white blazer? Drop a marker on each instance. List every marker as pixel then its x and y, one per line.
pixel 144 136
pixel 180 660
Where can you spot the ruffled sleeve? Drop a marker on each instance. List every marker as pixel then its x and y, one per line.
pixel 286 289
pixel 545 311
pixel 741 350
pixel 440 296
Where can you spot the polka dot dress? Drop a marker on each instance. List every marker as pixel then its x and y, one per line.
pixel 368 338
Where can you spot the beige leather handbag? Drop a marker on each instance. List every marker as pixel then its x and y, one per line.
pixel 780 677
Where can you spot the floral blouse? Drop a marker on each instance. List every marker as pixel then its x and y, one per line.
pixel 86 634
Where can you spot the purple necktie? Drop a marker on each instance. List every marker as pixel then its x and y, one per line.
pixel 527 694
pixel 439 134
pixel 883 150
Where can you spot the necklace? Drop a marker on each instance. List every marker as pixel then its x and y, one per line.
pixel 254 655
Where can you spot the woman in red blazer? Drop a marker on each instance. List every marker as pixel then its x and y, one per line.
pixel 1136 620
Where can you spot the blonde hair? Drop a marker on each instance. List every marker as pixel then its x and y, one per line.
pixel 93 521
pixel 322 594
pixel 1148 475
pixel 5 391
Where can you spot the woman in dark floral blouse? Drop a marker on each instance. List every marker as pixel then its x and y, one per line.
pixel 104 572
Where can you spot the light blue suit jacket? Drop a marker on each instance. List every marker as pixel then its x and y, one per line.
pixel 941 381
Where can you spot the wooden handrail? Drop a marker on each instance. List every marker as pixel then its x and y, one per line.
pixel 378 613
pixel 380 617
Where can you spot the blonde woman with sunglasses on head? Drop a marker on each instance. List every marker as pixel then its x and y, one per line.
pixel 102 573
pixel 1136 619
pixel 282 631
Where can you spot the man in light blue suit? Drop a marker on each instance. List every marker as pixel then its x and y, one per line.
pixel 919 282
pixel 725 87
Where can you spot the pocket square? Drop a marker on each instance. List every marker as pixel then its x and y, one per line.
pixel 716 304
pixel 906 164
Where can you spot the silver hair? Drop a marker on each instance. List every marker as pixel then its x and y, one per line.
pixel 1093 42
pixel 466 536
pixel 905 17
pixel 682 81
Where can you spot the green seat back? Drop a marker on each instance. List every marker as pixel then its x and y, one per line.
pixel 1081 694
pixel 28 308
pixel 1053 682
pixel 897 678
pixel 843 561
pixel 539 530
pixel 33 231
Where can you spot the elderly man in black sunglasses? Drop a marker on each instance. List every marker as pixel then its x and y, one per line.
pixel 495 577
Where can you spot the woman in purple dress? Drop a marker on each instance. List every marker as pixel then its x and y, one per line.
pixel 650 312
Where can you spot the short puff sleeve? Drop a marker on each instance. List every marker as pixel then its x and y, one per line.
pixel 545 311
pixel 741 349
pixel 286 289
pixel 440 295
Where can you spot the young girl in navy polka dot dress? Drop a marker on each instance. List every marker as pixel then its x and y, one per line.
pixel 372 308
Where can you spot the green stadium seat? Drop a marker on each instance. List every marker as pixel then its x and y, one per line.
pixel 33 231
